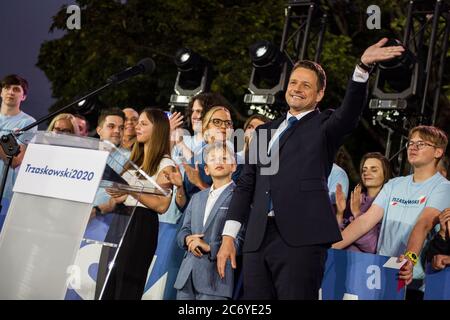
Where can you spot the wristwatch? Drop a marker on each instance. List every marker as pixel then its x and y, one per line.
pixel 411 256
pixel 368 68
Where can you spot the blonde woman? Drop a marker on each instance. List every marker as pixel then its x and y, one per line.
pixel 64 123
pixel 217 126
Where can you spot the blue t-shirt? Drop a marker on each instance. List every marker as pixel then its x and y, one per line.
pixel 403 201
pixel 9 124
pixel 337 175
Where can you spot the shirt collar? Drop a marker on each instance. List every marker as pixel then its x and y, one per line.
pixel 299 116
pixel 215 192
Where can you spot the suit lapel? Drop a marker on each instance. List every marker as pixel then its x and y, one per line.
pixel 273 126
pixel 225 193
pixel 289 132
pixel 201 208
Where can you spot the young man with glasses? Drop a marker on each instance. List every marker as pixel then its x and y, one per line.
pixel 408 206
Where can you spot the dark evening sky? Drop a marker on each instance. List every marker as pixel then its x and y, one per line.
pixel 24 25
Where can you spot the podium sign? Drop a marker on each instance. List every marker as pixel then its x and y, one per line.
pixel 61 172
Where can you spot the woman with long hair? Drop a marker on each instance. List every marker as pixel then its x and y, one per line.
pixel 374 171
pixel 151 154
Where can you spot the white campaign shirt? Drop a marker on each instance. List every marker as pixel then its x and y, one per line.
pixel 214 194
pixel 232 227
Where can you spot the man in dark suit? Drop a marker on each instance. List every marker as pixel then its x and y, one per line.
pixel 289 220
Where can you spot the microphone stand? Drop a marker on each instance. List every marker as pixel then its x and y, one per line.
pixel 9 142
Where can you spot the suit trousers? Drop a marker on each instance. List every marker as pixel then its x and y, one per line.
pixel 279 271
pixel 188 292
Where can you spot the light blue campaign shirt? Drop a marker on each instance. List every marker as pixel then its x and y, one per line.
pixel 403 200
pixel 9 124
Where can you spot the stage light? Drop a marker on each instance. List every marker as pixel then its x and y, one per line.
pixel 194 77
pixel 396 81
pixel 268 80
pixel 88 106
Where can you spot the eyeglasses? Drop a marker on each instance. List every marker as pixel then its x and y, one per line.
pixel 419 144
pixel 61 130
pixel 218 123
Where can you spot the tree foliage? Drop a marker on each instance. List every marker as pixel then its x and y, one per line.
pixel 115 35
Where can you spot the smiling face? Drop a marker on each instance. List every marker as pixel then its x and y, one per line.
pixel 196 116
pixel 219 127
pixel 302 93
pixel 219 163
pixel 144 128
pixel 111 129
pixel 372 174
pixel 131 119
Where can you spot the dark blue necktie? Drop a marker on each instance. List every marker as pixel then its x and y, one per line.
pixel 291 122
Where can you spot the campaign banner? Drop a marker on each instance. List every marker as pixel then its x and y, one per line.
pixel 165 265
pixel 437 284
pixel 61 172
pixel 360 276
pixel 162 272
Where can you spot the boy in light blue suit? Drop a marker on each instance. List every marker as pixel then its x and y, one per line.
pixel 201 233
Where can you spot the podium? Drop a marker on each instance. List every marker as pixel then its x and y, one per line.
pixel 50 218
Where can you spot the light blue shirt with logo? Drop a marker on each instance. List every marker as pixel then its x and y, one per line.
pixel 403 200
pixel 9 124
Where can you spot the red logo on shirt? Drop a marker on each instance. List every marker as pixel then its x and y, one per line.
pixel 395 201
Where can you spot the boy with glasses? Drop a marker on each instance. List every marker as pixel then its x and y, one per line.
pixel 408 206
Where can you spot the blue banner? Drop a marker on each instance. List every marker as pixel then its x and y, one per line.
pixel 165 265
pixel 437 284
pixel 162 273
pixel 359 276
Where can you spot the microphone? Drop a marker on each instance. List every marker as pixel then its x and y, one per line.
pixel 146 65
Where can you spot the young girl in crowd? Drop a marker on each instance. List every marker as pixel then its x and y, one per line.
pixel 375 172
pixel 151 153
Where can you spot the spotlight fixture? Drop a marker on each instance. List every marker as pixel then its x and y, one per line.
pixel 194 77
pixel 87 106
pixel 268 80
pixel 396 81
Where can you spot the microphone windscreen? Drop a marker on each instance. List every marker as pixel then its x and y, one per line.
pixel 147 65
